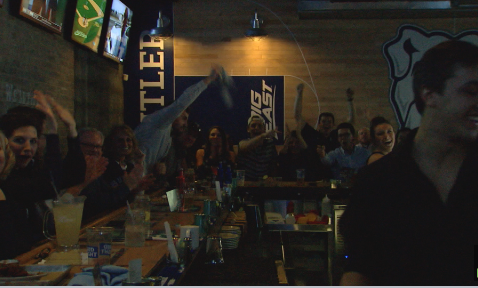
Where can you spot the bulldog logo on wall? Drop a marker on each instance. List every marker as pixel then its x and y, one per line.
pixel 402 52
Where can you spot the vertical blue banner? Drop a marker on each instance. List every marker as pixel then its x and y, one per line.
pixel 149 66
pixel 253 95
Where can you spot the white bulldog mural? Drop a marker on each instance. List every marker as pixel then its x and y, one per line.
pixel 402 52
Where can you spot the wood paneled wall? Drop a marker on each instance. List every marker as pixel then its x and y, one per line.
pixel 333 56
pixel 339 53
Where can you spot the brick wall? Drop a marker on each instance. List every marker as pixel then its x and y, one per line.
pixel 32 57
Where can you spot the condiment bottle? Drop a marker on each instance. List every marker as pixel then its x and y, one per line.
pixel 180 186
pixel 290 217
pixel 326 208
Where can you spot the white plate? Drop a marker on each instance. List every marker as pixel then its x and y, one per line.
pixel 226 236
pixel 231 232
pixel 230 247
pixel 233 240
pixel 230 228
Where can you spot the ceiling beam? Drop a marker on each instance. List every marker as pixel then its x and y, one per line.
pixel 349 9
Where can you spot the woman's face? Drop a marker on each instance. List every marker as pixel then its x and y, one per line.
pixel 215 137
pixel 24 144
pixel 384 137
pixel 123 144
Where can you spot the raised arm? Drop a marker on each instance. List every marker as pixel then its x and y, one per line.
pixel 65 116
pixel 165 117
pixel 250 144
pixel 51 126
pixel 298 107
pixel 285 147
pixel 300 125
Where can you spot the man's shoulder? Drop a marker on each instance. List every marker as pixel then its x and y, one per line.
pixel 392 166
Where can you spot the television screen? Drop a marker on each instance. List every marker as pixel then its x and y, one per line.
pixel 88 22
pixel 48 13
pixel 118 31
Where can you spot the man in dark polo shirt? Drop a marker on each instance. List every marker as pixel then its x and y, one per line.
pixel 413 216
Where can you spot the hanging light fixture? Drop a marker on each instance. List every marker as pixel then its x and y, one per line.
pixel 161 32
pixel 256 33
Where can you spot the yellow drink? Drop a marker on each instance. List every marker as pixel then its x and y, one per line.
pixel 67 222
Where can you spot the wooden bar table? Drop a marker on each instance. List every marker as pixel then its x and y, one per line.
pixel 291 190
pixel 153 253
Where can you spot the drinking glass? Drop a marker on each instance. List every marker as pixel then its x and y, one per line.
pixel 67 213
pixel 300 177
pixel 241 176
pixel 134 229
pixel 99 245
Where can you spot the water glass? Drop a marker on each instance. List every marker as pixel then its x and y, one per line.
pixel 241 176
pixel 143 202
pixel 200 220
pixel 300 177
pixel 135 229
pixel 334 183
pixel 214 250
pixel 99 245
pixel 190 180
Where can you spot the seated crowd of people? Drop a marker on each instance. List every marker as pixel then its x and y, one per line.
pixel 113 169
pixel 410 220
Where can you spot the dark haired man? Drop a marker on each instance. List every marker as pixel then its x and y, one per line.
pixel 348 158
pixel 325 134
pixel 413 217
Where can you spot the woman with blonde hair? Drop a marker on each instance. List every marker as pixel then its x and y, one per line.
pixel 14 229
pixel 7 161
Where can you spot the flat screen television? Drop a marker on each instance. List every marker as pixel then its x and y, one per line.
pixel 118 31
pixel 48 13
pixel 88 22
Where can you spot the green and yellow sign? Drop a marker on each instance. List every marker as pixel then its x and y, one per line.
pixel 88 22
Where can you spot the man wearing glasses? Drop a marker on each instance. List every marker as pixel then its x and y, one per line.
pixel 91 141
pixel 348 158
pixel 87 146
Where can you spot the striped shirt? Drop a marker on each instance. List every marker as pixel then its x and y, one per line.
pixel 258 162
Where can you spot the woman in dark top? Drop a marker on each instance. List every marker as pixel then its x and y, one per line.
pixel 15 237
pixel 31 181
pixel 383 138
pixel 118 147
pixel 293 156
pixel 215 151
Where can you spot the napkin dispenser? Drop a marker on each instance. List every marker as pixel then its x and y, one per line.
pixel 274 218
